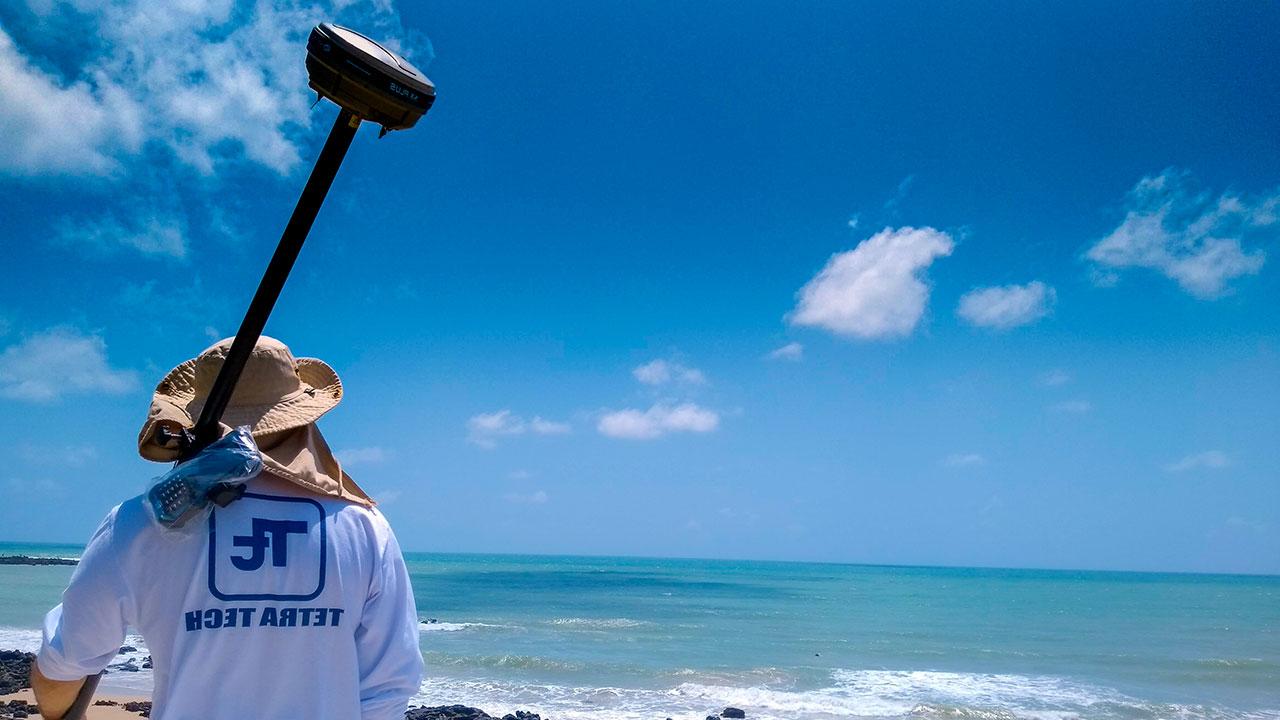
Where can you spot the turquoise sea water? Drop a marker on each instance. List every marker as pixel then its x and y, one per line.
pixel 650 638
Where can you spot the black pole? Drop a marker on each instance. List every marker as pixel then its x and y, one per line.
pixel 83 698
pixel 255 319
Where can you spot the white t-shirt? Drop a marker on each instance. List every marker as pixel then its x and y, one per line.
pixel 284 605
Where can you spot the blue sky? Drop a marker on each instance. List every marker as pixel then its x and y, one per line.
pixel 973 283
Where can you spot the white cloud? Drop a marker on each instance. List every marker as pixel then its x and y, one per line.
pixel 875 290
pixel 207 80
pixel 634 424
pixel 661 372
pixel 1207 460
pixel 538 497
pixel 793 351
pixel 964 460
pixel 485 429
pixel 160 102
pixel 386 497
pixel 351 457
pixel 75 456
pixel 738 516
pixel 1072 407
pixel 58 362
pixel 1237 523
pixel 42 488
pixel 891 205
pixel 52 126
pixel 1187 236
pixel 1055 378
pixel 543 426
pixel 1008 306
pixel 149 234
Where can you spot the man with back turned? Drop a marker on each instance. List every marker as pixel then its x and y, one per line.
pixel 291 602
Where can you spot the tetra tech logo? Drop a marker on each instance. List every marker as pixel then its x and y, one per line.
pixel 264 549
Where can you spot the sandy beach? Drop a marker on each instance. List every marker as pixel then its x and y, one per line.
pixel 97 712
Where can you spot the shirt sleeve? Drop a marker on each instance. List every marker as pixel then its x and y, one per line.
pixel 83 633
pixel 387 648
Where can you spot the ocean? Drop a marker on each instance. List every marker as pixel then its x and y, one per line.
pixel 647 638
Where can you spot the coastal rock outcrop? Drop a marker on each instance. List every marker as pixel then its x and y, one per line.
pixel 447 712
pixel 142 707
pixel 463 712
pixel 732 712
pixel 17 709
pixel 15 671
pixel 28 560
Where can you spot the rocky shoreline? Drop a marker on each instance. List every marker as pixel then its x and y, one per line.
pixel 28 560
pixel 15 667
pixel 463 712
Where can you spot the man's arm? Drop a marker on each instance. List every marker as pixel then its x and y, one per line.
pixel 387 640
pixel 53 696
pixel 84 631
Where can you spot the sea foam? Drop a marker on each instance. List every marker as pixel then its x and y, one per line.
pixel 851 694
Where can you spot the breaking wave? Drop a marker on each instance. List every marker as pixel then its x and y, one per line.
pixel 598 623
pixel 24 639
pixel 426 626
pixel 765 693
pixel 878 694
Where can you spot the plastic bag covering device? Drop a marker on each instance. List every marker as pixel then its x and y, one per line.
pixel 366 78
pixel 183 493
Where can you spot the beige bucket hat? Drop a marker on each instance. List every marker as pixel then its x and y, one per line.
pixel 278 396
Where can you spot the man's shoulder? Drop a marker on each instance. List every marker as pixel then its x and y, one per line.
pixel 128 520
pixel 130 523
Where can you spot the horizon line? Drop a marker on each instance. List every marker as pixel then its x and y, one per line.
pixel 845 563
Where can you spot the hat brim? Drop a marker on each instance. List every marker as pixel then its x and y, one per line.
pixel 175 402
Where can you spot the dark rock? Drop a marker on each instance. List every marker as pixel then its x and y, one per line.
pixel 447 712
pixel 129 665
pixel 146 663
pixel 142 707
pixel 26 560
pixel 110 703
pixel 732 712
pixel 713 717
pixel 17 709
pixel 522 715
pixel 15 671
pixel 126 649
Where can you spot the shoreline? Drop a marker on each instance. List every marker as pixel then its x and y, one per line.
pixel 105 707
pixel 31 560
pixel 21 704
